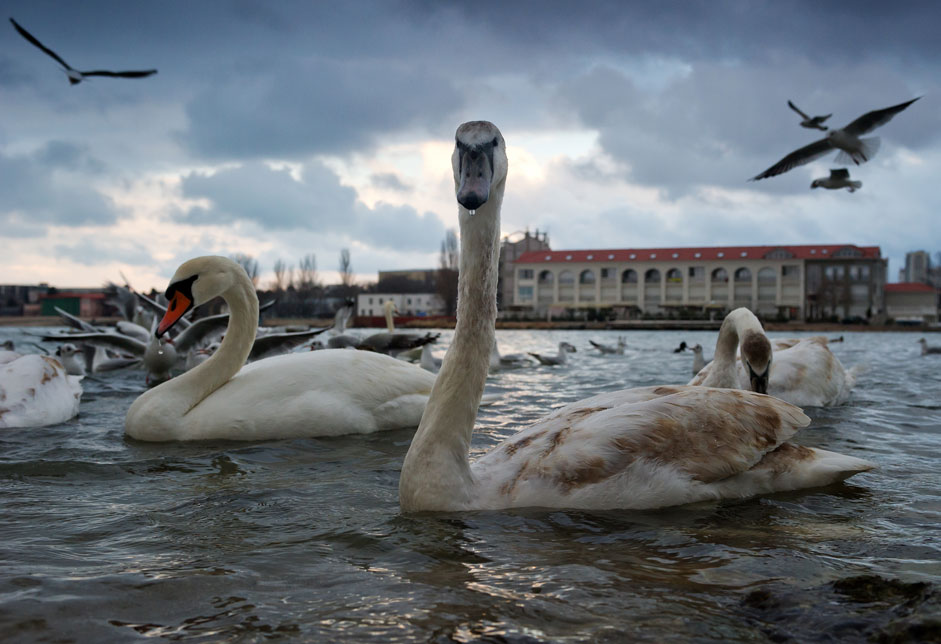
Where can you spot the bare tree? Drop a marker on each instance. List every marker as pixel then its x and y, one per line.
pixel 250 264
pixel 307 273
pixel 449 260
pixel 280 272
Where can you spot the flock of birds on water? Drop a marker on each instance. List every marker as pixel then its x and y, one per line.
pixel 725 434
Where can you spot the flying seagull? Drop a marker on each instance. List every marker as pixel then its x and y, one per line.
pixel 847 140
pixel 815 122
pixel 75 76
pixel 839 178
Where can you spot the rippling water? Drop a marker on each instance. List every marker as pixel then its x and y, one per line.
pixel 107 539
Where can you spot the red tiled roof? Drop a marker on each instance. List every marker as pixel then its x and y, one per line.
pixel 809 251
pixel 909 287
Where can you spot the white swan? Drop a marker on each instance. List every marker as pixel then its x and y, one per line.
pixel 558 359
pixel 315 393
pixel 803 371
pixel 35 390
pixel 638 448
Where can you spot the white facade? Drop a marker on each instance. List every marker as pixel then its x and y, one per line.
pixel 410 304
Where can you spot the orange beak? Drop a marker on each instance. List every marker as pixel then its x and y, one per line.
pixel 179 304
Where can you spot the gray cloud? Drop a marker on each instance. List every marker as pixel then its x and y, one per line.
pixel 90 253
pixel 389 181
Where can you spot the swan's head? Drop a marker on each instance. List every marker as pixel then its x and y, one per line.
pixel 196 282
pixel 756 356
pixel 479 163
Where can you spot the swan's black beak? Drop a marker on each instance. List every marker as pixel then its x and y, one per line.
pixel 759 383
pixel 476 176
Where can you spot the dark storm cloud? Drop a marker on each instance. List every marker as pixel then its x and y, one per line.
pixel 30 191
pixel 69 156
pixel 317 203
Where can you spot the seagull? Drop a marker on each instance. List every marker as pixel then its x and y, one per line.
pixel 839 178
pixel 814 123
pixel 75 76
pixel 847 140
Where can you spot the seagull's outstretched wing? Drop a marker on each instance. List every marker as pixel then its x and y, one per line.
pixel 130 74
pixel 796 109
pixel 804 155
pixel 28 36
pixel 871 120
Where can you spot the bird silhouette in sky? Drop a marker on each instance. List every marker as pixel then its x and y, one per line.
pixel 846 140
pixel 812 122
pixel 76 76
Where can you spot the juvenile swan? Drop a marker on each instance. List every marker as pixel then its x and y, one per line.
pixel 318 393
pixel 637 448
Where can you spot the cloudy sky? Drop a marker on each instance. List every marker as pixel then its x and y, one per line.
pixel 287 128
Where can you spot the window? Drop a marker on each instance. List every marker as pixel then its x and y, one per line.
pixel 790 273
pixel 629 276
pixel 864 272
pixel 590 257
pixel 697 255
pixel 675 255
pixel 606 273
pixel 370 301
pixel 546 277
pixel 697 274
pixel 720 254
pixel 611 256
pixel 743 275
pixel 766 276
pixel 525 293
pixel 674 275
pixel 652 276
pixel 408 300
pixel 720 275
pixel 586 277
pixel 566 277
pixel 848 251
pixel 779 253
pixel 525 273
pixel 568 258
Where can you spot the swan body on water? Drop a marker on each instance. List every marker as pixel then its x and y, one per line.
pixel 36 390
pixel 637 448
pixel 315 393
pixel 801 371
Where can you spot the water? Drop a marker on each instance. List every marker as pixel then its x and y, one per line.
pixel 109 539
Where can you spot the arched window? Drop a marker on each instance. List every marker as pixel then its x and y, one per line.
pixel 546 277
pixel 566 277
pixel 674 275
pixel 767 276
pixel 743 275
pixel 720 275
pixel 629 276
pixel 586 277
pixel 652 276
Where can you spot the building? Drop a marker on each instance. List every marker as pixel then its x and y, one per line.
pixel 791 282
pixel 85 303
pixel 512 248
pixel 917 267
pixel 407 304
pixel 912 303
pixel 416 280
pixel 16 299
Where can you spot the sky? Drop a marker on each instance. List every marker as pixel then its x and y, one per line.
pixel 283 129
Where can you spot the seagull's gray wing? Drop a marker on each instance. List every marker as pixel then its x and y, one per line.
pixel 129 74
pixel 274 344
pixel 75 322
pixel 871 120
pixel 104 339
pixel 199 330
pixel 796 109
pixel 840 173
pixel 28 36
pixel 804 155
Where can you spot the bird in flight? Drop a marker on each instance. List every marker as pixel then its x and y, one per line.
pixel 76 76
pixel 846 140
pixel 812 122
pixel 839 178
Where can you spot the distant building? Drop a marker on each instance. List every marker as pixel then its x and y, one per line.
pixel 416 280
pixel 510 252
pixel 16 299
pixel 912 302
pixel 917 267
pixel 792 282
pixel 85 303
pixel 408 304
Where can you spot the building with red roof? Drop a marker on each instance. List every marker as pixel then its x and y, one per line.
pixel 807 281
pixel 912 302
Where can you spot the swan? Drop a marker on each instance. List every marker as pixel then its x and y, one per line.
pixel 803 372
pixel 810 122
pixel 559 359
pixel 75 76
pixel 638 448
pixel 314 393
pixel 608 348
pixel 846 140
pixel 36 390
pixel 927 349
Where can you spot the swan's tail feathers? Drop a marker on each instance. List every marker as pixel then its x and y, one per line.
pixel 793 467
pixel 854 372
pixel 869 148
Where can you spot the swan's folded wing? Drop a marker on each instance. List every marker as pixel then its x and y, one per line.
pixel 708 434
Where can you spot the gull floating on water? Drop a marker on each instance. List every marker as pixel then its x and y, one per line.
pixel 812 122
pixel 838 179
pixel 846 139
pixel 76 76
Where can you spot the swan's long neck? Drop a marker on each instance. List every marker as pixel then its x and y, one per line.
pixel 733 328
pixel 198 383
pixel 436 473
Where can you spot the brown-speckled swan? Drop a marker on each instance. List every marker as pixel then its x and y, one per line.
pixel 637 448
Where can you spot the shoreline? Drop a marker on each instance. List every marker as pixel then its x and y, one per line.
pixel 616 325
